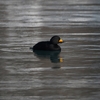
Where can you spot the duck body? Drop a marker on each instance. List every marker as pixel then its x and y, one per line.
pixel 51 45
pixel 46 46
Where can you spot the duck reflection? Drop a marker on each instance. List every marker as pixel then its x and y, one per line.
pixel 52 55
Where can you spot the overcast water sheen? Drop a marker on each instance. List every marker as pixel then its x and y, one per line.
pixel 73 73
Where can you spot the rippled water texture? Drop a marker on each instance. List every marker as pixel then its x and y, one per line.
pixel 73 73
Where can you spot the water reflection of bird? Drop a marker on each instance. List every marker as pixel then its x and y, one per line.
pixel 52 55
pixel 51 45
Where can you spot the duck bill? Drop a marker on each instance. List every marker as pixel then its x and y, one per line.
pixel 61 41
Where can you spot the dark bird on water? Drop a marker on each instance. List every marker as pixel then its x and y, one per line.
pixel 51 45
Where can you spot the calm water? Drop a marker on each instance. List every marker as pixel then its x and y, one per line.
pixel 25 75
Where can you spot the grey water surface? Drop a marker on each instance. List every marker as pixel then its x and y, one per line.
pixel 72 74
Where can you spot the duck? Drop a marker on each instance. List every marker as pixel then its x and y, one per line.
pixel 51 45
